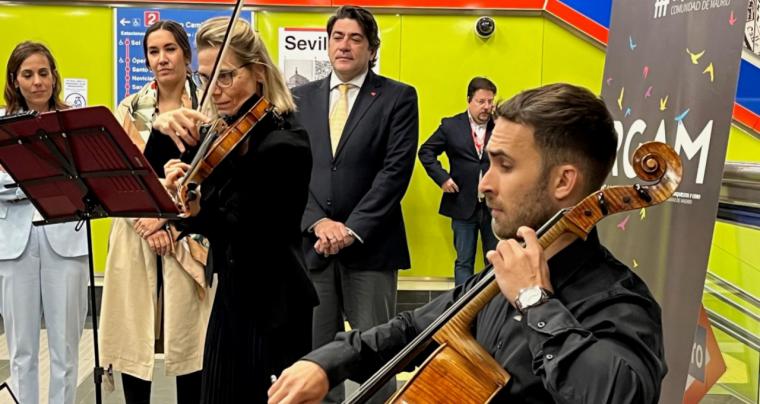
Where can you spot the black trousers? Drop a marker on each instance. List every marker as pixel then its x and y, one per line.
pixel 137 391
pixel 364 298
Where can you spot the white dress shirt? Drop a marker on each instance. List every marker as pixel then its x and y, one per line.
pixel 480 133
pixel 353 90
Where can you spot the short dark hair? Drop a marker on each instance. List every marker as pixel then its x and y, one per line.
pixel 366 21
pixel 479 83
pixel 180 35
pixel 570 125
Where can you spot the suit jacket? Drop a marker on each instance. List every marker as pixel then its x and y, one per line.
pixel 363 185
pixel 454 137
pixel 16 213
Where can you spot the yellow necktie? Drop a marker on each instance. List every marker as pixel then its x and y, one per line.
pixel 339 116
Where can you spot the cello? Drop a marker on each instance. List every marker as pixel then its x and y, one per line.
pixel 459 370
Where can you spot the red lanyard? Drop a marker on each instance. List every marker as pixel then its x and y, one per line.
pixel 478 143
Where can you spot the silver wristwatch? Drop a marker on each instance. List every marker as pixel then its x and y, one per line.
pixel 531 297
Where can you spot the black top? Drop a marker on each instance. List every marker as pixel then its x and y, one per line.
pixel 158 150
pixel 598 340
pixel 251 207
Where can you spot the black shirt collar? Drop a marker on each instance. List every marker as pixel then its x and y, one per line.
pixel 567 262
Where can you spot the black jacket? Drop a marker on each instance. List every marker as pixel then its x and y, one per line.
pixel 598 340
pixel 251 209
pixel 363 185
pixel 454 137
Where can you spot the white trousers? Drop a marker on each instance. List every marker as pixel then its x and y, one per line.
pixel 41 281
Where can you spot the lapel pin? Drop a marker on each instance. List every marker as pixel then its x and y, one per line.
pixel 373 93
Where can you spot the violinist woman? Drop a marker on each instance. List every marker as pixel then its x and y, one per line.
pixel 250 209
pixel 154 295
pixel 43 269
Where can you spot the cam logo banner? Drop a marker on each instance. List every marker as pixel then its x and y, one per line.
pixel 670 75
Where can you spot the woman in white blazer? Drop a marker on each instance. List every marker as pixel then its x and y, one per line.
pixel 43 269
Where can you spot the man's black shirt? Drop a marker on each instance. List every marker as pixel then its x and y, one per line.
pixel 598 340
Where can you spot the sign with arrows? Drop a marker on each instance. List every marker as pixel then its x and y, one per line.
pixel 680 91
pixel 130 24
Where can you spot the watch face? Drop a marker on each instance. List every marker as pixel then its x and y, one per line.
pixel 530 296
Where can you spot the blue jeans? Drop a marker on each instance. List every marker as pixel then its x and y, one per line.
pixel 466 241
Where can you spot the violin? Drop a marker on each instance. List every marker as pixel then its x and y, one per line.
pixel 219 141
pixel 460 370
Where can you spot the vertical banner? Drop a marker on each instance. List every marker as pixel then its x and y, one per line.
pixel 130 25
pixel 670 75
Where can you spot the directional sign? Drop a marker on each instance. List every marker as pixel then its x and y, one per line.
pixel 130 24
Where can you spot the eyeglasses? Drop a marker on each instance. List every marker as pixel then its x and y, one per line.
pixel 224 80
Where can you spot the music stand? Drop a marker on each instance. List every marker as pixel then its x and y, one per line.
pixel 5 385
pixel 79 165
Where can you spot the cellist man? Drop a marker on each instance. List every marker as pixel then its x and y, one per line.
pixel 580 327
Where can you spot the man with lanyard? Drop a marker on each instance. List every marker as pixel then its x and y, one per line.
pixel 463 138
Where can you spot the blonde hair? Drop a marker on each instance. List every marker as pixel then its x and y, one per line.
pixel 249 48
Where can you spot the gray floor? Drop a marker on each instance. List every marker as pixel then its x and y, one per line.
pixel 163 389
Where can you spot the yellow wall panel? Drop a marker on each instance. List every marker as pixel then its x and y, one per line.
pixel 570 59
pixel 439 56
pixel 742 146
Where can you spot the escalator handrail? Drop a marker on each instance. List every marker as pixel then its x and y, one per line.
pixel 733 330
pixel 741 293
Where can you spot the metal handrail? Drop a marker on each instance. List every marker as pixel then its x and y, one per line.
pixel 741 171
pixel 733 330
pixel 741 293
pixel 732 303
pixel 741 185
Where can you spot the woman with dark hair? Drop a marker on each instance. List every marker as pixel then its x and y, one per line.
pixel 154 293
pixel 43 269
pixel 250 209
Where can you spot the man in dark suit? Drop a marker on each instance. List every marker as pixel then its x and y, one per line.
pixel 363 129
pixel 463 138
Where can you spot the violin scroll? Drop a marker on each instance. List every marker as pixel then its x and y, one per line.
pixel 655 163
pixel 658 162
pixel 652 160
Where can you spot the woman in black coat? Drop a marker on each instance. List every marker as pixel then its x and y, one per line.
pixel 250 210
